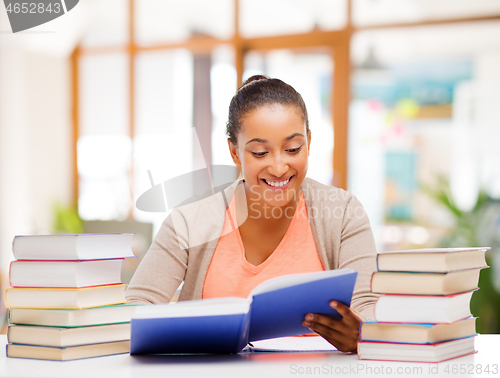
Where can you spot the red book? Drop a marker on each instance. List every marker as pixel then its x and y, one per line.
pixel 423 308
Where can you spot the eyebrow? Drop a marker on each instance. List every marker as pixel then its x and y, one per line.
pixel 265 141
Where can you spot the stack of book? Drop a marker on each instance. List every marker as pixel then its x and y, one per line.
pixel 67 300
pixel 423 314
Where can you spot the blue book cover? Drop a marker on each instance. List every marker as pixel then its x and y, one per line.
pixel 275 308
pixel 198 334
pixel 280 312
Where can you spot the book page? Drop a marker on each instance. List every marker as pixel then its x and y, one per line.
pixel 201 307
pixel 296 279
pixel 293 344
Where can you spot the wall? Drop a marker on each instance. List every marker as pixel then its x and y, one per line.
pixel 35 143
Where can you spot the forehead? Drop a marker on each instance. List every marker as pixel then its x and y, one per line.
pixel 274 121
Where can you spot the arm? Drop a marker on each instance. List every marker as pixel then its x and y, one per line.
pixel 357 251
pixel 162 269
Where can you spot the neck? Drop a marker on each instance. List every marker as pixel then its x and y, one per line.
pixel 262 212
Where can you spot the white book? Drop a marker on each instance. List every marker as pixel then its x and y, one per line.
pixel 373 350
pixel 425 283
pixel 72 274
pixel 423 308
pixel 72 246
pixel 417 333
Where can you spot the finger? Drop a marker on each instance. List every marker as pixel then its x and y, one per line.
pixel 343 310
pixel 341 332
pixel 338 325
pixel 332 328
pixel 346 312
pixel 342 342
pixel 326 331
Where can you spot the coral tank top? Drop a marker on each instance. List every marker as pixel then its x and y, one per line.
pixel 231 275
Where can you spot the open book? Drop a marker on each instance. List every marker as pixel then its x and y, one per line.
pixel 275 308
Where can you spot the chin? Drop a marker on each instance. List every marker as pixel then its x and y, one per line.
pixel 279 199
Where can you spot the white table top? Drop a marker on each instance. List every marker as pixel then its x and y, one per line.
pixel 255 365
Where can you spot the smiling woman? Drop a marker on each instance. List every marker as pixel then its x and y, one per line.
pixel 276 164
pixel 271 222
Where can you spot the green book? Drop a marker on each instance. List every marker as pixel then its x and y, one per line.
pixel 72 317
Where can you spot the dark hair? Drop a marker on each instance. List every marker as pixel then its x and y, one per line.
pixel 258 91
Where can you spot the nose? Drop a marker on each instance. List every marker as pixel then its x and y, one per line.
pixel 278 167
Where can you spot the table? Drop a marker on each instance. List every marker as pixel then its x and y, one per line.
pixel 255 365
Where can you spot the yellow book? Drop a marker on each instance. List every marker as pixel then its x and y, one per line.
pixel 417 333
pixel 425 283
pixel 67 353
pixel 16 297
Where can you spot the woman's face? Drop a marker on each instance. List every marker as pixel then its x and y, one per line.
pixel 272 151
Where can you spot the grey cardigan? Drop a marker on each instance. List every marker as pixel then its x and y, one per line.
pixel 184 246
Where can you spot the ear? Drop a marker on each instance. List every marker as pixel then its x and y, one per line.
pixel 308 142
pixel 234 154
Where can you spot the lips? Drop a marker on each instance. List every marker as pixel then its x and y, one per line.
pixel 278 184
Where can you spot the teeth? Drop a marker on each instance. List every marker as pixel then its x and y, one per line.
pixel 276 183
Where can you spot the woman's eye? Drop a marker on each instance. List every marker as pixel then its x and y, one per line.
pixel 259 154
pixel 294 150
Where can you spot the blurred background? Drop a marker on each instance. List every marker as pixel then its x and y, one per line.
pixel 403 98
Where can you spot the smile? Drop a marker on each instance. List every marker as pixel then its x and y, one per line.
pixel 278 184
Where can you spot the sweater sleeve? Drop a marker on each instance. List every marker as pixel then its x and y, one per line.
pixel 358 252
pixel 162 269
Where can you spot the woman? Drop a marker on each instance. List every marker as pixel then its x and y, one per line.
pixel 274 221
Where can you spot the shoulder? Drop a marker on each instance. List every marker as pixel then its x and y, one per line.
pixel 316 192
pixel 213 200
pixel 199 219
pixel 330 203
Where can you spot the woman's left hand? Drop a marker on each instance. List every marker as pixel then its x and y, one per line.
pixel 342 334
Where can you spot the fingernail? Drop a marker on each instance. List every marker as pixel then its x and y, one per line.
pixel 306 324
pixel 309 317
pixel 333 303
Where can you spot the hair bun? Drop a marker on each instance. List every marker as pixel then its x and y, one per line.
pixel 254 78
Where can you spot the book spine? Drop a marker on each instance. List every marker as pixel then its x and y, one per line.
pixel 10 271
pixel 375 309
pixel 5 298
pixel 8 334
pixel 14 247
pixel 371 282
